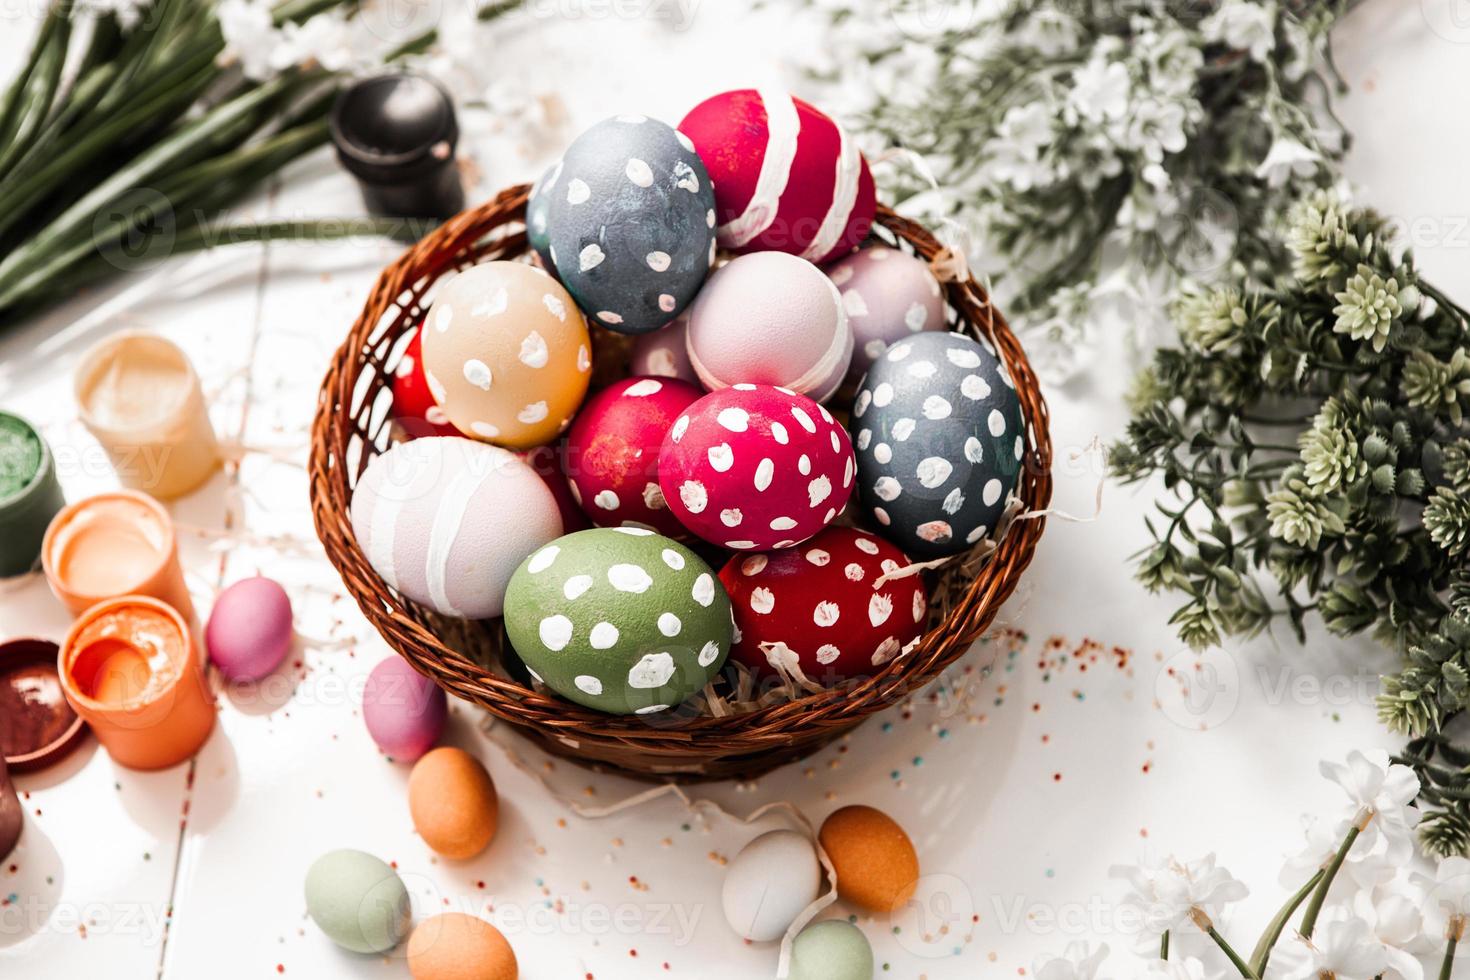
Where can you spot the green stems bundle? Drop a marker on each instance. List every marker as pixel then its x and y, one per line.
pixel 1311 438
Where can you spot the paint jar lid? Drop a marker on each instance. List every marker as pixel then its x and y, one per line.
pixel 37 725
pixel 392 127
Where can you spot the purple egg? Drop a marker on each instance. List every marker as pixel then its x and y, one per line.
pixel 249 631
pixel 404 710
pixel 663 353
pixel 888 295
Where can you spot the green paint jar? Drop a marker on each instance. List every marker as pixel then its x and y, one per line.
pixel 29 494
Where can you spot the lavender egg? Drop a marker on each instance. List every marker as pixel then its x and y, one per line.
pixel 249 630
pixel 403 709
pixel 888 294
pixel 664 354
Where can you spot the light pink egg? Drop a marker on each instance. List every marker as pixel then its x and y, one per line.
pixel 249 630
pixel 753 467
pixel 612 449
pixel 445 522
pixel 887 294
pixel 663 353
pixel 770 318
pixel 403 709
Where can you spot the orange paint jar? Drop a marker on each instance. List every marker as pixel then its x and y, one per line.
pixel 131 669
pixel 114 544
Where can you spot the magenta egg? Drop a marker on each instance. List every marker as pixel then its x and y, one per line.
pixel 887 295
pixel 403 709
pixel 770 318
pixel 249 630
pixel 753 467
pixel 663 353
pixel 611 452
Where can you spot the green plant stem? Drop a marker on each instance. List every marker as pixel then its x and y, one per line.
pixel 1448 964
pixel 1164 945
pixel 1261 955
pixel 1314 908
pixel 1234 957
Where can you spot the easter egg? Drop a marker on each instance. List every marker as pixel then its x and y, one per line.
pixel 453 803
pixel 664 353
pixel 456 946
pixel 619 619
pixel 445 521
pixel 546 461
pixel 753 467
pixel 770 318
pixel 611 452
pixel 887 294
pixel 404 711
pixel 249 630
pixel 876 866
pixel 769 883
pixel 538 233
pixel 940 440
pixel 832 949
pixel 630 219
pixel 506 354
pixel 414 407
pixel 786 176
pixel 819 606
pixel 358 901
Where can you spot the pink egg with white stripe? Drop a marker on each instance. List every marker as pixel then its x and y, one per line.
pixel 445 521
pixel 787 177
pixel 753 467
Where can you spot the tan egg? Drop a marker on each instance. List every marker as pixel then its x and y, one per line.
pixel 455 946
pixel 876 866
pixel 506 354
pixel 453 803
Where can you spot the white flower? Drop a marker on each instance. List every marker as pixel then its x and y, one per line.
pixel 1342 947
pixel 250 37
pixel 1016 157
pixel 129 13
pixel 1182 968
pixel 1244 26
pixel 1446 902
pixel 1156 128
pixel 1398 923
pixel 1287 158
pixel 1078 962
pixel 1365 866
pixel 1169 894
pixel 1050 32
pixel 1100 89
pixel 1384 794
pixel 325 39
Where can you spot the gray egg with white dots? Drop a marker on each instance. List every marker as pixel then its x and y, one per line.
pixel 537 229
pixel 630 222
pixel 940 442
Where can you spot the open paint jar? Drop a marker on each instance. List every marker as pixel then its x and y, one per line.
pixel 132 670
pixel 29 494
pixel 139 396
pixel 37 725
pixel 118 543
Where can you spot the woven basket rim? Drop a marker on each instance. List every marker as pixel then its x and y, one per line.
pixel 670 744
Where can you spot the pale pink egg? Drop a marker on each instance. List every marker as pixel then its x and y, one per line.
pixel 664 353
pixel 404 710
pixel 887 294
pixel 753 467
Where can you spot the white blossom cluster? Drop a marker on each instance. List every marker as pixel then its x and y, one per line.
pixel 1103 154
pixel 1380 918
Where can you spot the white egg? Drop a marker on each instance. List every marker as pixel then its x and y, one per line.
pixel 768 884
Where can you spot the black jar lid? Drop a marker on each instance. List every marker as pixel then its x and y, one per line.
pixel 394 127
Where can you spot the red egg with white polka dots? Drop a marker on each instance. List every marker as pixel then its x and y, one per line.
pixel 753 467
pixel 823 607
pixel 612 449
pixel 414 408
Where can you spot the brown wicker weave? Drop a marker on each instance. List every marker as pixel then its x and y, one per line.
pixel 352 425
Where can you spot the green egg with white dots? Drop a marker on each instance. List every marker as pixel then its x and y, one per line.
pixel 831 950
pixel 619 619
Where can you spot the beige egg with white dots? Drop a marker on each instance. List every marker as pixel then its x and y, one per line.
pixel 506 354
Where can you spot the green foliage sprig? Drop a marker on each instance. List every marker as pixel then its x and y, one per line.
pixel 1311 434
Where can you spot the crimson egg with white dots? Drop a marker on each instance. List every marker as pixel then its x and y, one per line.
pixel 753 467
pixel 824 606
pixel 414 407
pixel 611 452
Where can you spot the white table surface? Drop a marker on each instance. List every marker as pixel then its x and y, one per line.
pixel 1020 785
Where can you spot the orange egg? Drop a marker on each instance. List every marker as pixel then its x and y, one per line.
pixel 876 866
pixel 506 354
pixel 453 803
pixel 455 946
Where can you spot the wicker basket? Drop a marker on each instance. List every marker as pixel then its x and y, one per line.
pixel 352 425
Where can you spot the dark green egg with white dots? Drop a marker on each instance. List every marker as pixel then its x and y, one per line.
pixel 619 619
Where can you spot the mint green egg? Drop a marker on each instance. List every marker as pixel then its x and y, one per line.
pixel 831 950
pixel 358 901
pixel 619 619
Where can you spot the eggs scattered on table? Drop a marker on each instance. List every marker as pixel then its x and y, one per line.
pixel 358 901
pixel 769 883
pixel 630 222
pixel 832 949
pixel 753 467
pixel 453 803
pixel 249 631
pixel 877 868
pixel 940 442
pixel 506 354
pixel 445 521
pixel 619 619
pixel 404 711
pixel 456 946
